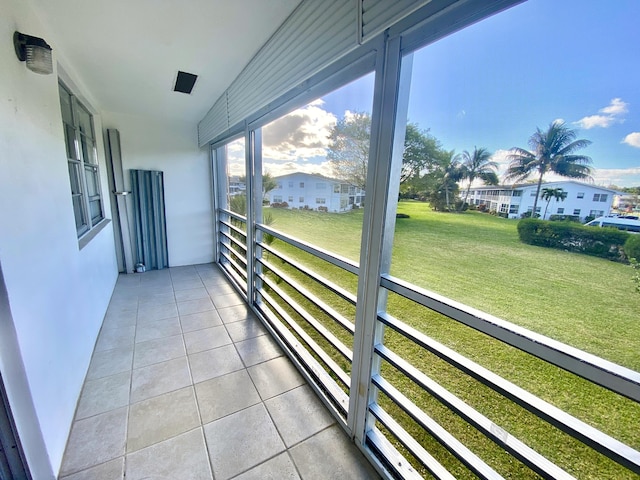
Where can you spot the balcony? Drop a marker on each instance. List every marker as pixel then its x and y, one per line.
pixel 184 378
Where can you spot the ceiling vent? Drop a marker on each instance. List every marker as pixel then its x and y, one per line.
pixel 185 82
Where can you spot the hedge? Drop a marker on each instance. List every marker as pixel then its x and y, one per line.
pixel 599 242
pixel 632 247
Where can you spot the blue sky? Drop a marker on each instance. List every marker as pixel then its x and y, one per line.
pixel 491 84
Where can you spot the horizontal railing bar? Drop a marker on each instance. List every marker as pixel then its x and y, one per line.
pixel 228 247
pixel 333 366
pixel 237 267
pixel 457 449
pixel 231 226
pixel 325 381
pixel 234 278
pixel 335 316
pixel 317 326
pixel 418 451
pixel 338 290
pixel 603 443
pixel 338 261
pixel 389 456
pixel 595 369
pixel 518 449
pixel 235 215
pixel 231 238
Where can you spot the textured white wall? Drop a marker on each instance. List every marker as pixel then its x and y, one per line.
pixel 57 294
pixel 172 147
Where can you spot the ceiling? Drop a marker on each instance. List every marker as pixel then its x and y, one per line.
pixel 128 52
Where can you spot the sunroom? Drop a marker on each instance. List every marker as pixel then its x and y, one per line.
pixel 159 320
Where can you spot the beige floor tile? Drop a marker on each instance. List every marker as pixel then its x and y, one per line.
pixel 245 329
pixel 86 448
pixel 166 327
pixel 152 312
pixel 111 338
pixel 180 457
pixel 198 321
pixel 110 362
pixel 112 470
pixel 257 350
pixel 162 417
pixel 278 468
pixel 235 313
pixel 227 300
pixel 191 294
pixel 206 339
pixel 195 306
pixel 275 377
pixel 298 414
pixel 104 394
pixel 213 363
pixel 232 451
pixel 158 350
pixel 159 378
pixel 224 395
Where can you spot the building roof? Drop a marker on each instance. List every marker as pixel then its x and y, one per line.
pixel 522 186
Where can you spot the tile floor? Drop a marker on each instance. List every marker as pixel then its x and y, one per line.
pixel 185 383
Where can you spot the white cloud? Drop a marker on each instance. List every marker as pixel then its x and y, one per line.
pixel 633 139
pixel 300 135
pixel 606 116
pixel 616 107
pixel 623 177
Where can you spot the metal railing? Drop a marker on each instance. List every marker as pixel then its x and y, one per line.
pixel 305 310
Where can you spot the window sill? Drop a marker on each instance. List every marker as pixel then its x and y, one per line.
pixel 87 237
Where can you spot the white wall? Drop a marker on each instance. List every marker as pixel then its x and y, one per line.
pixel 171 147
pixel 57 293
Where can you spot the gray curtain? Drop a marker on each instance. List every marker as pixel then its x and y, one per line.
pixel 147 188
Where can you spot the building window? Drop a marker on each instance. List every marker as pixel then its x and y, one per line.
pixel 596 213
pixel 516 193
pixel 576 211
pixel 301 184
pixel 503 207
pixel 600 197
pixel 290 198
pixel 82 159
pixel 277 199
pixel 336 188
pixel 320 201
pixel 560 210
pixel 290 184
pixel 513 209
pixel 301 199
pixel 580 194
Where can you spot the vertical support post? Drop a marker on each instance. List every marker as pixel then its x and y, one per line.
pixel 251 174
pixel 256 201
pixel 220 194
pixel 388 126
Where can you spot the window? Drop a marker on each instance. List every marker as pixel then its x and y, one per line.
pixel 560 210
pixel 301 184
pixel 580 194
pixel 596 213
pixel 290 198
pixel 290 184
pixel 277 199
pixel 600 197
pixel 576 211
pixel 320 201
pixel 516 193
pixel 82 159
pixel 336 188
pixel 513 209
pixel 503 207
pixel 301 199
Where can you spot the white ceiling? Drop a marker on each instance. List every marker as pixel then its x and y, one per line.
pixel 128 52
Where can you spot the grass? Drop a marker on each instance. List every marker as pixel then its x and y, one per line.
pixel 475 258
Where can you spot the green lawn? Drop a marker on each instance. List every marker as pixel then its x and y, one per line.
pixel 477 259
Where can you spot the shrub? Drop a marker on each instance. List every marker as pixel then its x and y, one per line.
pixel 402 215
pixel 564 218
pixel 632 247
pixel 279 205
pixel 599 242
pixel 588 218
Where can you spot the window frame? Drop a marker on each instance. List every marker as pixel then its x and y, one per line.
pixel 82 145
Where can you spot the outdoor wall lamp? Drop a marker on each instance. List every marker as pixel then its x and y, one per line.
pixel 35 51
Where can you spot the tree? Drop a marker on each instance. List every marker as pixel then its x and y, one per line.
pixel 551 151
pixel 348 151
pixel 548 193
pixel 268 183
pixel 422 152
pixel 477 165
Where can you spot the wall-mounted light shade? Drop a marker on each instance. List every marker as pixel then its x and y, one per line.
pixel 35 51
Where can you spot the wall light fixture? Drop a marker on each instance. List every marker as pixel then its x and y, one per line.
pixel 35 51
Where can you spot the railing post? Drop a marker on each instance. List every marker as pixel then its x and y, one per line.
pixel 388 125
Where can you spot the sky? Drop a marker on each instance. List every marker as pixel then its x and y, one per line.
pixel 492 84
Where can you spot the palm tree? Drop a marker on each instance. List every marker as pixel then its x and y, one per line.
pixel 477 165
pixel 548 193
pixel 452 174
pixel 551 151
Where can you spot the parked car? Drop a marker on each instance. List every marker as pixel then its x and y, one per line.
pixel 630 223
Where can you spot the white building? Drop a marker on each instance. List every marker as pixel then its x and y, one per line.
pixel 315 192
pixel 582 199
